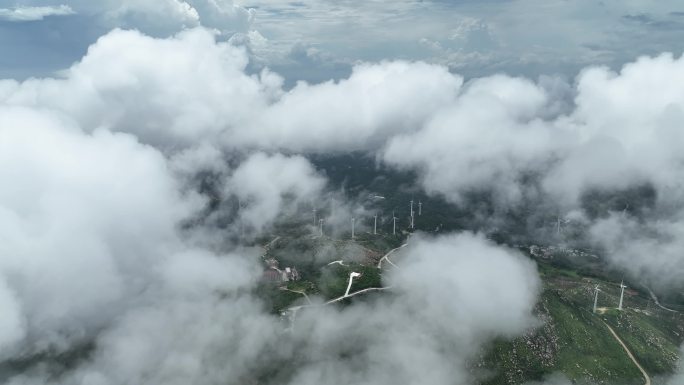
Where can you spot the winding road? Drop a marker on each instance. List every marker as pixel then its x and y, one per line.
pixel 629 353
pixel 655 299
pixel 293 310
pixel 267 246
pixel 340 262
pixel 298 292
pixel 386 257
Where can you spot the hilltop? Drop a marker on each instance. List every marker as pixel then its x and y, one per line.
pixel 569 339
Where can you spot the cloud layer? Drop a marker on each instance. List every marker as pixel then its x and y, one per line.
pixel 98 170
pixel 426 329
pixel 520 139
pixel 21 14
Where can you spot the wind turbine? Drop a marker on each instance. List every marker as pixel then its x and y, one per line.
pixel 353 220
pixel 375 224
pixel 622 294
pixel 394 226
pixel 596 290
pixel 411 223
pixel 351 277
pixel 560 223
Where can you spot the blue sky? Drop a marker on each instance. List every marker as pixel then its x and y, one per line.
pixel 316 40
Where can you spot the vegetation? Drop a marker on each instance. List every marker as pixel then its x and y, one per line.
pixel 571 339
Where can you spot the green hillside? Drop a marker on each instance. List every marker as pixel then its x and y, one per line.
pixel 571 339
pixel 576 342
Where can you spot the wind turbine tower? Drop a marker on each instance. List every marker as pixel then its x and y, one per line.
pixel 375 224
pixel 420 208
pixel 394 226
pixel 411 224
pixel 622 294
pixel 320 225
pixel 596 291
pixel 353 220
pixel 314 219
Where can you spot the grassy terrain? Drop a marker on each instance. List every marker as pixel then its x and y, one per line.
pixel 335 278
pixel 571 339
pixel 312 257
pixel 576 342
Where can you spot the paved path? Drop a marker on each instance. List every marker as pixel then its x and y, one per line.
pixel 267 246
pixel 298 292
pixel 293 310
pixel 338 299
pixel 352 275
pixel 631 356
pixel 655 299
pixel 386 257
pixel 357 293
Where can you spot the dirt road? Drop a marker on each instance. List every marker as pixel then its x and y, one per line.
pixel 629 353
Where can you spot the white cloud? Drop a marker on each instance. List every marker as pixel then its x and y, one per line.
pixel 268 185
pixel 12 323
pixel 490 134
pixel 446 303
pixel 105 152
pixel 155 17
pixel 477 280
pixel 91 220
pixel 200 89
pixel 203 93
pixel 623 132
pixel 377 101
pixel 84 227
pixel 224 15
pixel 485 140
pixel 147 16
pixel 20 14
pixel 167 17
